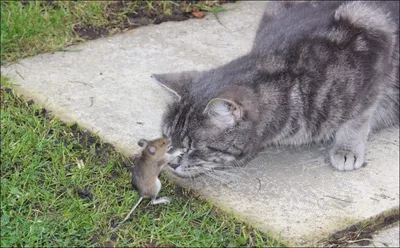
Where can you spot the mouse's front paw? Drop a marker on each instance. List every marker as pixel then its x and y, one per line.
pixel 174 157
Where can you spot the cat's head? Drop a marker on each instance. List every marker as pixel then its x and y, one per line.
pixel 213 125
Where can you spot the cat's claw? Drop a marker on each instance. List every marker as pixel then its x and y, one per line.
pixel 345 160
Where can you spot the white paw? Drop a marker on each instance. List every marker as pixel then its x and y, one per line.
pixel 346 160
pixel 162 200
pixel 177 153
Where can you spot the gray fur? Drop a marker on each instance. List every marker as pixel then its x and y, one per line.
pixel 318 71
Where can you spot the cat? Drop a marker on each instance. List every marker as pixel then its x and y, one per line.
pixel 317 71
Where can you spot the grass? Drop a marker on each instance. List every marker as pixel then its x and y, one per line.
pixel 35 27
pixel 32 27
pixel 62 186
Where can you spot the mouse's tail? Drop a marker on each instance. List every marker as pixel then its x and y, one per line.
pixel 129 214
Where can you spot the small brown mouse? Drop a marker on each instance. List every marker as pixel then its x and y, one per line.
pixel 148 165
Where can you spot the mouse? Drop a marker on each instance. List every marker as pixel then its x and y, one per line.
pixel 153 158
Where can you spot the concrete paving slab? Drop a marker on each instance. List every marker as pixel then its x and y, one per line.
pixel 105 86
pixel 293 192
pixel 389 237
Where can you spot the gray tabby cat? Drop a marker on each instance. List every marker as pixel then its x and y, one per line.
pixel 318 71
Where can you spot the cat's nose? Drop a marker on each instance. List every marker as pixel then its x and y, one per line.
pixel 175 163
pixel 173 166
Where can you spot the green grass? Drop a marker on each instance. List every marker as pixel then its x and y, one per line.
pixel 36 26
pixel 48 200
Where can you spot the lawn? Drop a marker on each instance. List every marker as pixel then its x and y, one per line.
pixel 62 186
pixel 32 27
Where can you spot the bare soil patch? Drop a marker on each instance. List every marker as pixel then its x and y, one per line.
pixel 123 16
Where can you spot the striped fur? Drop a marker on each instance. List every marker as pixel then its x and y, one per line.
pixel 317 71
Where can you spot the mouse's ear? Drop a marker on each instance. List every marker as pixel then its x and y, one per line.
pixel 142 142
pixel 152 150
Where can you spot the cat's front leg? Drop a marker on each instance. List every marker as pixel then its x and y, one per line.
pixel 348 151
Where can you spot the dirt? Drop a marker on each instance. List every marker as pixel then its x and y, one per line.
pixel 85 140
pixel 114 236
pixel 151 243
pixel 94 240
pixel 61 191
pixel 84 194
pixel 141 16
pixel 185 192
pixel 361 233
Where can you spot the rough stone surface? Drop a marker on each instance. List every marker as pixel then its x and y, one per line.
pixel 295 193
pixel 389 237
pixel 105 86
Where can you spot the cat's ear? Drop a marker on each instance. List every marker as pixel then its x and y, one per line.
pixel 176 83
pixel 232 106
pixel 224 112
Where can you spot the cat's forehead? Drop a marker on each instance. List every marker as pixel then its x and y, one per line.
pixel 179 107
pixel 182 117
pixel 170 117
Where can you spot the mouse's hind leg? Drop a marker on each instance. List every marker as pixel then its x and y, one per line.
pixel 161 200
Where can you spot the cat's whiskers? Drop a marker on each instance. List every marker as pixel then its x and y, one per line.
pixel 217 177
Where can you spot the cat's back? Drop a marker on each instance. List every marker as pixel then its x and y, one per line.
pixel 284 23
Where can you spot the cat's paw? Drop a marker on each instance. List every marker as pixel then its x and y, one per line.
pixel 346 160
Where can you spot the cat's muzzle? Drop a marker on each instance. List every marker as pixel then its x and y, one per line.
pixel 175 162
